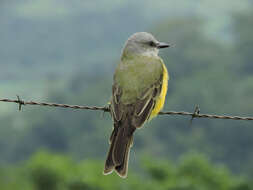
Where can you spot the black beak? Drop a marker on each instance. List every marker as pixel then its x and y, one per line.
pixel 163 45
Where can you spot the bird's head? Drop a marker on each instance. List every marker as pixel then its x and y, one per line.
pixel 142 43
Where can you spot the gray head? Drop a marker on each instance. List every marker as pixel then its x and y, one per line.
pixel 142 43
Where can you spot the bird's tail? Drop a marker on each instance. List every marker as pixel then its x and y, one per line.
pixel 120 143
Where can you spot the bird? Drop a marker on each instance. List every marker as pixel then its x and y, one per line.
pixel 138 94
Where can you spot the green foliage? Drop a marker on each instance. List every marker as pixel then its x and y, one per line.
pixel 46 171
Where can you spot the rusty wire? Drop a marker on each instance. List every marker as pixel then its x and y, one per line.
pixel 195 114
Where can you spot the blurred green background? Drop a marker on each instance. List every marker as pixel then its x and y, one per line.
pixel 66 51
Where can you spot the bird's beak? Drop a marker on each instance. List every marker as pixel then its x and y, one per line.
pixel 162 45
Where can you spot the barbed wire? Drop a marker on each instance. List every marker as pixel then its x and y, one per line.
pixel 195 114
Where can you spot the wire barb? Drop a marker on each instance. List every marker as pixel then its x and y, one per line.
pixel 20 103
pixel 195 114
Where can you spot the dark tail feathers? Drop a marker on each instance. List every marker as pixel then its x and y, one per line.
pixel 121 141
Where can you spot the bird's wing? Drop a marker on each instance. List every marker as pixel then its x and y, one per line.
pixel 141 108
pixel 146 103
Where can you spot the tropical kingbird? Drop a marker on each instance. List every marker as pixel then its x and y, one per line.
pixel 138 94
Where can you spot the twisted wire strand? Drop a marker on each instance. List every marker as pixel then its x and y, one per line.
pixel 195 114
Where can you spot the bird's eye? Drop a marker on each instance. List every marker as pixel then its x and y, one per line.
pixel 152 44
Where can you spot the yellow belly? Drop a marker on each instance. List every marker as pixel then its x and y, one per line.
pixel 161 99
